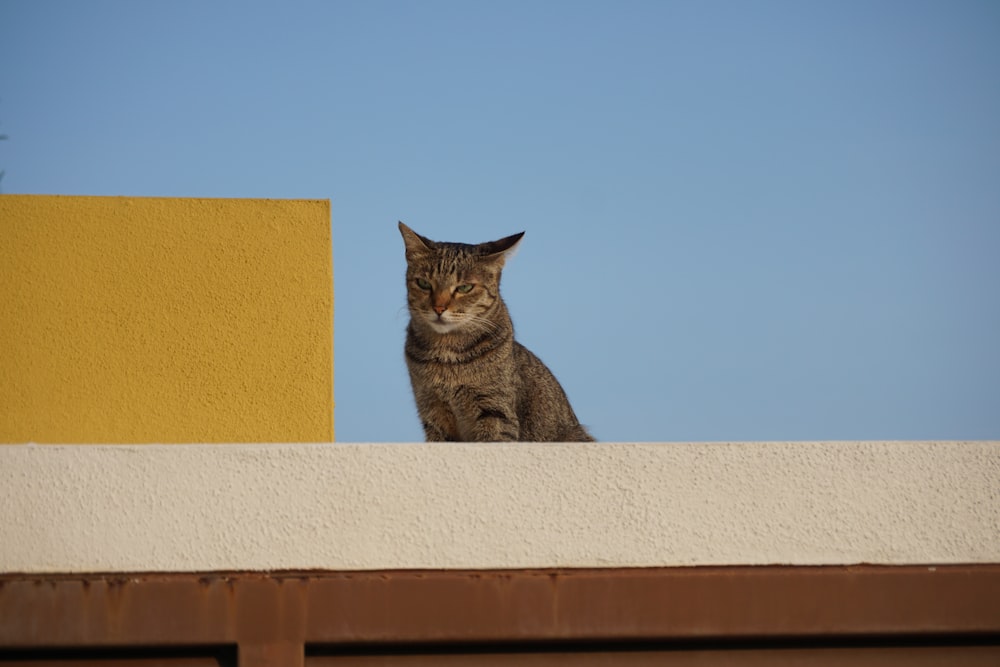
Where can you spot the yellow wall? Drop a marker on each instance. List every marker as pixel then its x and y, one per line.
pixel 165 320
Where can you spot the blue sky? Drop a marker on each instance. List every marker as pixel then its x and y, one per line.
pixel 771 220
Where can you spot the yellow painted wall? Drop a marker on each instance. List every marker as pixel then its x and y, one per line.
pixel 165 320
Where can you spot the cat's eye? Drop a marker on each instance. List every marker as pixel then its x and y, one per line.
pixel 464 289
pixel 423 284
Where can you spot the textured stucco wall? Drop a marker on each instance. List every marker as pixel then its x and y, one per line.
pixel 372 507
pixel 165 320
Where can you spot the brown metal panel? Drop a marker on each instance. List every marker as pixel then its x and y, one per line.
pixel 269 613
pixel 148 658
pixel 283 653
pixel 280 613
pixel 958 656
pixel 433 606
pixel 114 662
pixel 775 601
pixel 680 603
pixel 159 610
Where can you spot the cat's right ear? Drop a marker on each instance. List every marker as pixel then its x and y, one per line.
pixel 415 243
pixel 502 249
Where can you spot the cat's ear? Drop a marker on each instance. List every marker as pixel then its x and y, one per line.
pixel 415 243
pixel 501 249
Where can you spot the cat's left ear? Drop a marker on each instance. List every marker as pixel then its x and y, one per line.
pixel 415 243
pixel 503 248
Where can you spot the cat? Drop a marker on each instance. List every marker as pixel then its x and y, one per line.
pixel 471 380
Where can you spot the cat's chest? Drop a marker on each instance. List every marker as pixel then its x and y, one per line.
pixel 444 371
pixel 446 375
pixel 460 355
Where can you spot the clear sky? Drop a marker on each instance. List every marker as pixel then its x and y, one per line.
pixel 769 220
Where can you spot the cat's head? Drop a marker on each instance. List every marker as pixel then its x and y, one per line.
pixel 454 287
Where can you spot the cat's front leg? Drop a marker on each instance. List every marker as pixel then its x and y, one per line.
pixel 434 433
pixel 438 420
pixel 489 417
pixel 496 426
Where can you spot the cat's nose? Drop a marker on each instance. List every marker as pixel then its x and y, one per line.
pixel 439 309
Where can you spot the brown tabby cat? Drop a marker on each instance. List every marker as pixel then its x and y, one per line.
pixel 472 381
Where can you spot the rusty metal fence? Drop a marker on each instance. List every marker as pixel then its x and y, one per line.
pixel 863 615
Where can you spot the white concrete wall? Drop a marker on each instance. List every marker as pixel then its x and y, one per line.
pixel 364 507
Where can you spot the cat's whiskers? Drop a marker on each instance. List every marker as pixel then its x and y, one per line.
pixel 484 325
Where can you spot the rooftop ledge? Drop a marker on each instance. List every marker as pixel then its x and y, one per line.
pixel 202 508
